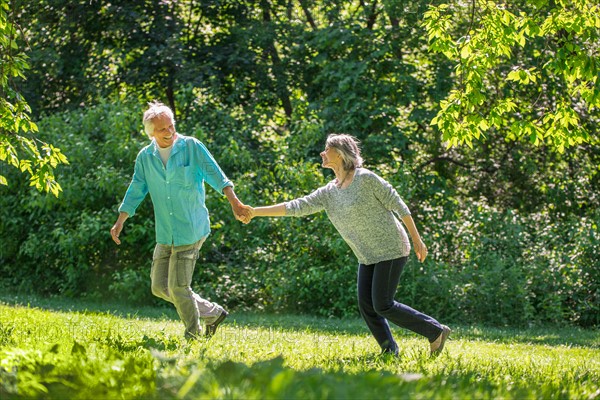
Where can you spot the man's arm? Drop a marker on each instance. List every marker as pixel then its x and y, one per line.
pixel 237 206
pixel 115 231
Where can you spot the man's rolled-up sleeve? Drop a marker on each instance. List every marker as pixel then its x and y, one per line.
pixel 137 190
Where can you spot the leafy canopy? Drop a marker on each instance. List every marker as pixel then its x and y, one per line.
pixel 526 69
pixel 18 147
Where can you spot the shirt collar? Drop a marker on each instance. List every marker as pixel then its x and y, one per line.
pixel 177 145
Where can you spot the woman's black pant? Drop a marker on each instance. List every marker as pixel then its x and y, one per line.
pixel 377 284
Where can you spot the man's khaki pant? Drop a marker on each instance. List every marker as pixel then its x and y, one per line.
pixel 171 274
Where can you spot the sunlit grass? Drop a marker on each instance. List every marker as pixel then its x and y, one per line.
pixel 53 349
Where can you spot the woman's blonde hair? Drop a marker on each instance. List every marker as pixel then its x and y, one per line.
pixel 348 148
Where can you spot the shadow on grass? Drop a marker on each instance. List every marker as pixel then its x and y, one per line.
pixel 543 335
pixel 90 307
pixel 272 379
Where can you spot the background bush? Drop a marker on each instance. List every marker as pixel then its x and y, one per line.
pixel 510 214
pixel 487 264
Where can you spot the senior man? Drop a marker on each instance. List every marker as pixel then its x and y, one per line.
pixel 173 169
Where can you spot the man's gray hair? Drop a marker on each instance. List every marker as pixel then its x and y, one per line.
pixel 347 147
pixel 156 109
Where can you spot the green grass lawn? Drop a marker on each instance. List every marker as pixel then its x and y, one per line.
pixel 63 350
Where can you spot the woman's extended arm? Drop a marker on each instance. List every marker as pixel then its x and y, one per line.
pixel 420 248
pixel 306 205
pixel 277 210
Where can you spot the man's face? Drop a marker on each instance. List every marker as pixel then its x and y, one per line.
pixel 164 131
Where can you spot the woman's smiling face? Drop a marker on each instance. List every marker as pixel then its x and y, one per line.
pixel 330 157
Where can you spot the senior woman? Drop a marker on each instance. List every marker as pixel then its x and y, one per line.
pixel 361 206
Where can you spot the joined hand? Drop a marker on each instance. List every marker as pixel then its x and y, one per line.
pixel 247 214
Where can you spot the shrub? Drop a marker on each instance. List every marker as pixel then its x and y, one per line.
pixel 486 264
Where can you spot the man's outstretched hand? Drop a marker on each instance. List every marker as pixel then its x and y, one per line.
pixel 115 231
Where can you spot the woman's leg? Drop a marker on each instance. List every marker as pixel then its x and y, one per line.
pixel 377 324
pixel 386 276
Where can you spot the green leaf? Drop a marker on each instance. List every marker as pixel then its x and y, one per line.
pixel 514 75
pixel 465 52
pixel 483 125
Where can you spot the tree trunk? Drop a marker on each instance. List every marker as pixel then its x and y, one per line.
pixel 278 70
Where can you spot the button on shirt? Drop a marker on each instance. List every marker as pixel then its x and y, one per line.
pixel 177 189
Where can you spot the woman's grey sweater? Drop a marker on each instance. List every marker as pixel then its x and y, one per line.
pixel 363 213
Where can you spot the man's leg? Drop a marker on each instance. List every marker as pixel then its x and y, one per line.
pixel 159 272
pixel 190 306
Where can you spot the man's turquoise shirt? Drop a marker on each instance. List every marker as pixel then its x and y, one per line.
pixel 177 190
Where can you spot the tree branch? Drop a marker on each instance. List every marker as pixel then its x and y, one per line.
pixel 307 14
pixel 280 79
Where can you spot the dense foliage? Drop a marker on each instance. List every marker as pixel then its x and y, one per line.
pixel 18 147
pixel 512 225
pixel 487 263
pixel 500 59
